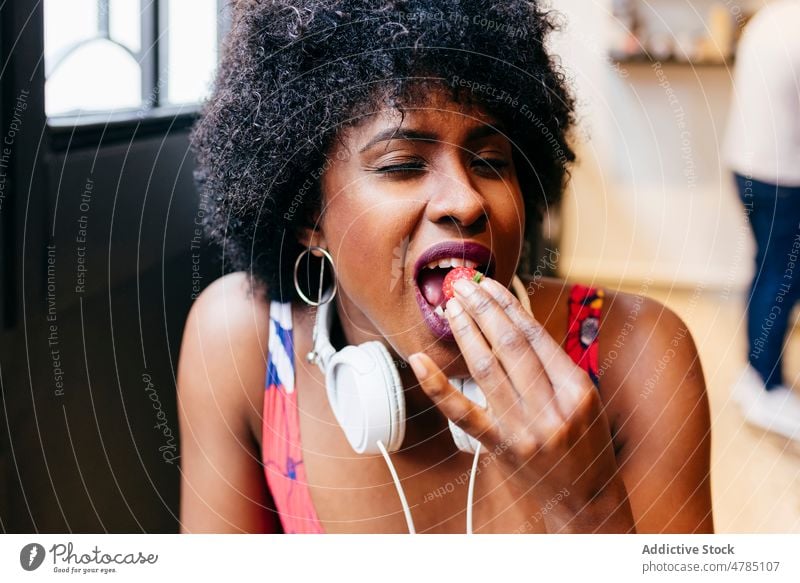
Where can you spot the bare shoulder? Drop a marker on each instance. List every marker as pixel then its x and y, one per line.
pixel 645 344
pixel 220 396
pixel 654 391
pixel 232 302
pixel 654 396
pixel 225 340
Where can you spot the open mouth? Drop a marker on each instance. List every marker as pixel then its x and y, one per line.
pixel 431 269
pixel 431 279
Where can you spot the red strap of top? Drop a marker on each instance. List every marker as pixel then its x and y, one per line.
pixel 585 306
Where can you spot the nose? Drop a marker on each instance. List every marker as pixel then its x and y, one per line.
pixel 455 201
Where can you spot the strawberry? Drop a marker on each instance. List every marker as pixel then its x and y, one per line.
pixel 459 273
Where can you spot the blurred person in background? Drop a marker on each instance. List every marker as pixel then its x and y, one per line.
pixel 763 150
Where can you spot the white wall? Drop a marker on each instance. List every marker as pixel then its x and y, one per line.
pixel 649 196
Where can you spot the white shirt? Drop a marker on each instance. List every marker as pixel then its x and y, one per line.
pixel 763 138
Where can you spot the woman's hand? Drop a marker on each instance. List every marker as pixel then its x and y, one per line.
pixel 543 411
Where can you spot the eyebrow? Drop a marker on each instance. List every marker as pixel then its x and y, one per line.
pixel 388 134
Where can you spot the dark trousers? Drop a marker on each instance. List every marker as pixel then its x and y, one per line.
pixel 774 215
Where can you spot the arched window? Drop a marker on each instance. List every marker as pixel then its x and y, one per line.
pixel 116 56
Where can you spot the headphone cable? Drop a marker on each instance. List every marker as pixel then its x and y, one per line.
pixel 471 488
pixel 399 487
pixel 402 495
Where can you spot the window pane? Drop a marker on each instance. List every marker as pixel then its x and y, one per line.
pixel 125 22
pixel 191 49
pixel 65 24
pixel 99 76
pixel 85 72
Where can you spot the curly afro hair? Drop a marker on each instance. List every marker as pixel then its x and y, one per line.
pixel 294 73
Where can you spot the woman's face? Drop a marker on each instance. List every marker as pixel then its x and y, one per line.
pixel 434 186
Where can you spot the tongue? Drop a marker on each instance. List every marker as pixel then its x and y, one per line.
pixel 430 284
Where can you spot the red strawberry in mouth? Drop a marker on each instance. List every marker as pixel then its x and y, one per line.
pixel 459 273
pixel 447 291
pixel 448 260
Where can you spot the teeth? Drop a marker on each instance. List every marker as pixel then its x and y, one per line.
pixel 446 262
pixel 439 311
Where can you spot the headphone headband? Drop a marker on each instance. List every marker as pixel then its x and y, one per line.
pixel 323 350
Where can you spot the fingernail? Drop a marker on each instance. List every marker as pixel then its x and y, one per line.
pixel 464 286
pixel 453 308
pixel 492 286
pixel 418 366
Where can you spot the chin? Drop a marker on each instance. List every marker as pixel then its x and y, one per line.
pixel 447 356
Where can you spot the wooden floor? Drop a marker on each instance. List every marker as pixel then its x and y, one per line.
pixel 755 474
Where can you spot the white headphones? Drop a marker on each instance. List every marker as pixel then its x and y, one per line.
pixel 365 391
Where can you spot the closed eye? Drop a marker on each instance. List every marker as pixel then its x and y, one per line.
pixel 400 167
pixel 491 167
pixel 393 168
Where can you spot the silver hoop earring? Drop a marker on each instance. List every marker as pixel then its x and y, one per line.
pixel 325 255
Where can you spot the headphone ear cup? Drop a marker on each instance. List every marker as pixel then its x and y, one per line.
pixel 396 398
pixel 463 440
pixel 366 395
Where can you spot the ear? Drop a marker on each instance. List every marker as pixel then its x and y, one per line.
pixel 312 235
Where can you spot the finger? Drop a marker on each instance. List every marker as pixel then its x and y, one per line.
pixel 565 375
pixel 483 365
pixel 462 411
pixel 512 348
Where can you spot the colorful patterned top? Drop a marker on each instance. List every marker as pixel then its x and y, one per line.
pixel 282 451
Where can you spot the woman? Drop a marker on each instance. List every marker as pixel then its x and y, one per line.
pixel 389 145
